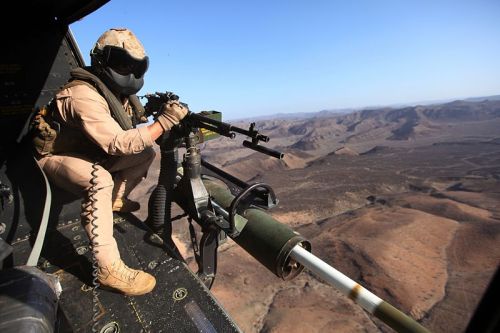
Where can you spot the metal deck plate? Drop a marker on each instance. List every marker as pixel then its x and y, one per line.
pixel 179 302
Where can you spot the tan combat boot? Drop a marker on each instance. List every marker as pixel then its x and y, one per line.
pixel 125 205
pixel 125 280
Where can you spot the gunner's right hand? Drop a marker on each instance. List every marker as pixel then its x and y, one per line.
pixel 171 113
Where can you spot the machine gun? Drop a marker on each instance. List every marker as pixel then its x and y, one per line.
pixel 219 211
pixel 210 122
pixel 236 209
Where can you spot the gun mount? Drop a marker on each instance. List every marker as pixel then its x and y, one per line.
pixel 218 212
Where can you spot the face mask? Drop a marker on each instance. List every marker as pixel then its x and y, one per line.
pixel 122 84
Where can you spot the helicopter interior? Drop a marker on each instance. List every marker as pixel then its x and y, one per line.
pixel 41 234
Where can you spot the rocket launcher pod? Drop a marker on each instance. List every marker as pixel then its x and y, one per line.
pixel 286 253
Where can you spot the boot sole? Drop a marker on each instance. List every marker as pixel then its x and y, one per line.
pixel 137 293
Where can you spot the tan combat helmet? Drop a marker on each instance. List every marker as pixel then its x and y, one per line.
pixel 120 60
pixel 124 38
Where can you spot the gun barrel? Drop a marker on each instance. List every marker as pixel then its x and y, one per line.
pixel 255 135
pixel 261 149
pixel 369 301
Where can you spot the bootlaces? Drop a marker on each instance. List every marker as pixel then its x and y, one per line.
pixel 126 272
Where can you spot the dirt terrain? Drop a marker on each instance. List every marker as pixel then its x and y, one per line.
pixel 404 201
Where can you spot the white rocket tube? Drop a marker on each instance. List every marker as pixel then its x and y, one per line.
pixel 369 301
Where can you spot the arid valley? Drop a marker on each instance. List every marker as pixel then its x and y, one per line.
pixel 403 200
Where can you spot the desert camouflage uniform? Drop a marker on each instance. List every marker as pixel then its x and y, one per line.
pixel 90 134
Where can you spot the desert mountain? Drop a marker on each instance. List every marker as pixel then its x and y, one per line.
pixel 409 123
pixel 307 140
pixel 405 201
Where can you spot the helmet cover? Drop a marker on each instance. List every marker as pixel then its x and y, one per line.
pixel 120 60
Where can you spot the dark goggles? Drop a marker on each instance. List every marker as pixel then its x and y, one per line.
pixel 123 63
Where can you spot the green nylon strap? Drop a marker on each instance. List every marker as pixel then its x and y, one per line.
pixel 117 110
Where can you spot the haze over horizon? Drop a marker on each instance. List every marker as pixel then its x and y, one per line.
pixel 260 58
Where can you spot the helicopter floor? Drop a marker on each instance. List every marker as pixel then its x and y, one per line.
pixel 179 302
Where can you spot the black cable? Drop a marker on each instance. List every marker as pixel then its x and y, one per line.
pixel 93 245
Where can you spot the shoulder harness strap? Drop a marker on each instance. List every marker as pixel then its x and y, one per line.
pixel 82 76
pixel 139 111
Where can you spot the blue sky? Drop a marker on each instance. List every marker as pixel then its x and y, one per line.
pixel 257 57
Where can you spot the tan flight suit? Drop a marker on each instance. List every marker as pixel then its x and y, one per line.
pixel 90 134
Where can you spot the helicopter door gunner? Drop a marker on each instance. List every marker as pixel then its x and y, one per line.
pixel 98 144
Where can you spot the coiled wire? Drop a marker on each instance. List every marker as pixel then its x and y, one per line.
pixel 94 244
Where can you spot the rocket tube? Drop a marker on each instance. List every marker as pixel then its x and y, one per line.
pixel 368 301
pixel 266 239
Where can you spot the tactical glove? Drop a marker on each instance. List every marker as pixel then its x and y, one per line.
pixel 171 114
